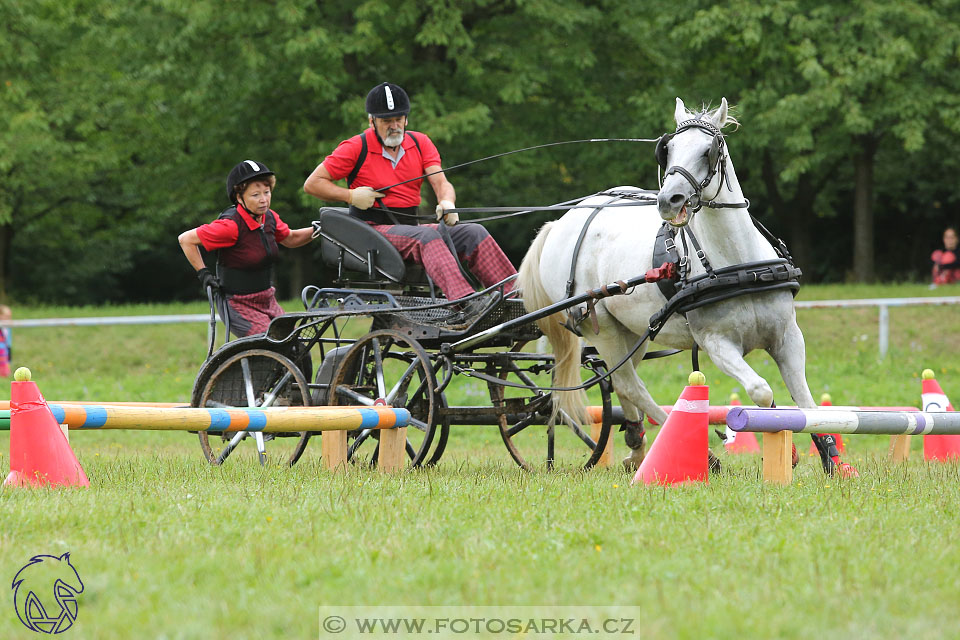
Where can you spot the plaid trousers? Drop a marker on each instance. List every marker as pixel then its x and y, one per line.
pixel 251 313
pixel 476 248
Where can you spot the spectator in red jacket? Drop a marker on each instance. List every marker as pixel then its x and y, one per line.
pixel 946 266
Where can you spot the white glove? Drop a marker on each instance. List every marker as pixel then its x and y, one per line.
pixel 364 197
pixel 449 219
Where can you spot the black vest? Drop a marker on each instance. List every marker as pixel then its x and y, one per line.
pixel 247 266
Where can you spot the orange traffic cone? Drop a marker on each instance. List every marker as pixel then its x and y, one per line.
pixel 679 452
pixel 39 453
pixel 742 442
pixel 934 400
pixel 827 401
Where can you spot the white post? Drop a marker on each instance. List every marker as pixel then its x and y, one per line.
pixel 884 330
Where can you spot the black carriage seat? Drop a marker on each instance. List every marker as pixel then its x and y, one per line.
pixel 362 256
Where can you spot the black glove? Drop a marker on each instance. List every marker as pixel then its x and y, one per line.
pixel 207 279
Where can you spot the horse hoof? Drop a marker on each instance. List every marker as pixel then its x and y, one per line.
pixel 632 462
pixel 714 462
pixel 794 457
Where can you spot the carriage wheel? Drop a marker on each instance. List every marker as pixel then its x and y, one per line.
pixel 568 442
pixel 255 378
pixel 390 367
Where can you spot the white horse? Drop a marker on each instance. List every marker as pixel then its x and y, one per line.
pixel 619 244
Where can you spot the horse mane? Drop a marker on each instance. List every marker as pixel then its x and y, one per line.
pixel 707 111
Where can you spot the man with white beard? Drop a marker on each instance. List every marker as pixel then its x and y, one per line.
pixel 387 154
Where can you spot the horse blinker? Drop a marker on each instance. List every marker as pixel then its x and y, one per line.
pixel 660 151
pixel 714 154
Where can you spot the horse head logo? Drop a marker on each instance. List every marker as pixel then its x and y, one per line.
pixel 45 593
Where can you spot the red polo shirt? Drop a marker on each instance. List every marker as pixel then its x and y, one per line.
pixel 377 171
pixel 222 233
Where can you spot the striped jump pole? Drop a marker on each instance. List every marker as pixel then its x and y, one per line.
pixel 219 420
pixel 333 422
pixel 835 420
pixel 33 448
pixel 717 414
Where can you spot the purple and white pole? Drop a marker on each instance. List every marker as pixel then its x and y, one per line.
pixel 840 421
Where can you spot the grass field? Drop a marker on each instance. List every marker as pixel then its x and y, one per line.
pixel 169 547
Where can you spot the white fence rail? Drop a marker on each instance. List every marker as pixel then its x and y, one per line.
pixel 109 320
pixel 883 304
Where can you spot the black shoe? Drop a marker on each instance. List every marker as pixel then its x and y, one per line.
pixel 478 307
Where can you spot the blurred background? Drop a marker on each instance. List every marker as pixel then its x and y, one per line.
pixel 120 121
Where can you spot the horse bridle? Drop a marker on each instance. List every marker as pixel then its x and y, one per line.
pixel 716 162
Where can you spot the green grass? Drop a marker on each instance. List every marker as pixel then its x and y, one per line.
pixel 170 547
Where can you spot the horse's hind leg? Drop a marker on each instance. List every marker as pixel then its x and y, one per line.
pixel 790 356
pixel 612 344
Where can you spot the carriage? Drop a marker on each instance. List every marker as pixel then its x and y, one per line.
pixel 733 286
pixel 413 348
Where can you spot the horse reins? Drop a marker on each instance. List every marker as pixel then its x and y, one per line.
pixel 714 285
pixel 509 211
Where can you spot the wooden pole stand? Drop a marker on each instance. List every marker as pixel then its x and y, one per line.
pixel 899 448
pixel 333 450
pixel 778 457
pixel 393 450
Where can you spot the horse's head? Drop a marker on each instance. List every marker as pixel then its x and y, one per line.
pixel 692 159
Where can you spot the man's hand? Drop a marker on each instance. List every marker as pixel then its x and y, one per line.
pixel 449 218
pixel 364 197
pixel 208 279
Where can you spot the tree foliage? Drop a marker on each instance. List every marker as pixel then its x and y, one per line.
pixel 119 121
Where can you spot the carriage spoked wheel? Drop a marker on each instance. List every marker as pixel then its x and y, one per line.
pixel 568 443
pixel 387 367
pixel 255 378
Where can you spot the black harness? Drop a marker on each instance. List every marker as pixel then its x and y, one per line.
pixel 683 292
pixel 714 285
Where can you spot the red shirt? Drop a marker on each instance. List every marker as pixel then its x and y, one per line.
pixel 377 171
pixel 222 233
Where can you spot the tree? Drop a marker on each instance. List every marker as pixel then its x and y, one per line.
pixel 825 87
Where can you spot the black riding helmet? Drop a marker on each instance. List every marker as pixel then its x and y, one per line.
pixel 387 100
pixel 245 172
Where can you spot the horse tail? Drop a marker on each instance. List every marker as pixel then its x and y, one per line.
pixel 565 344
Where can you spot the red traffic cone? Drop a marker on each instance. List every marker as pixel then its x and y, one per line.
pixel 742 442
pixel 39 452
pixel 934 400
pixel 827 401
pixel 679 452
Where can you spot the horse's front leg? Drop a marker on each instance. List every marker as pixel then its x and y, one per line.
pixel 790 356
pixel 729 359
